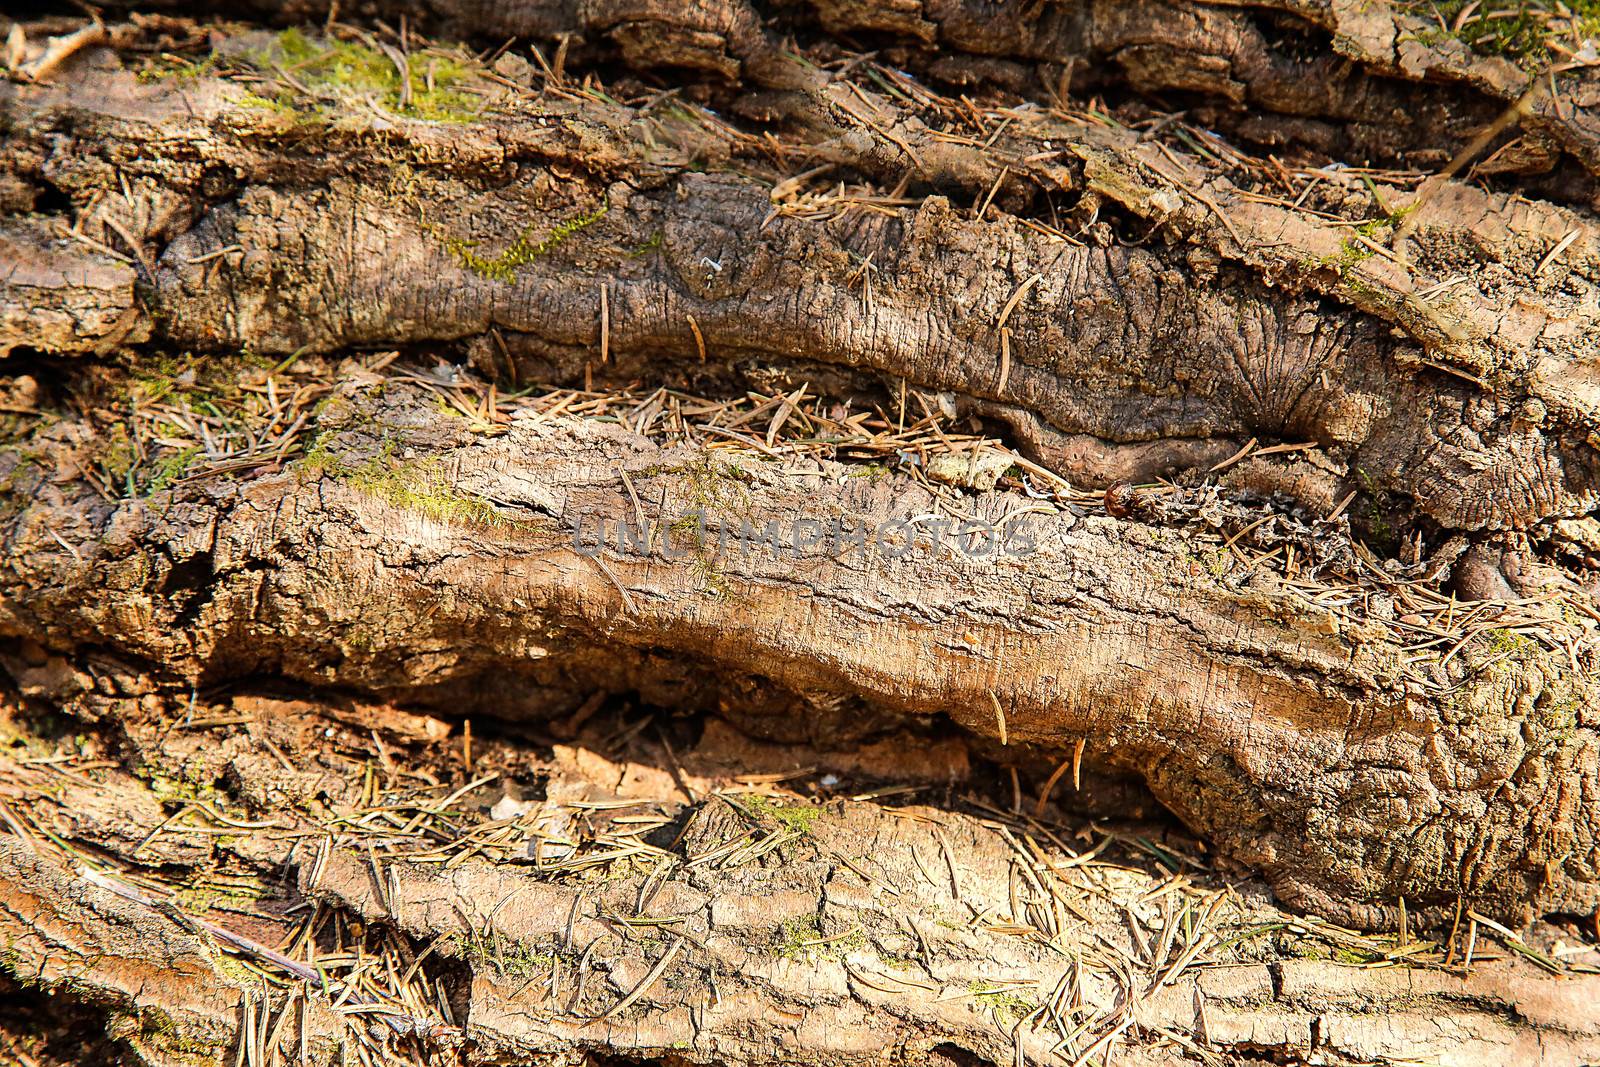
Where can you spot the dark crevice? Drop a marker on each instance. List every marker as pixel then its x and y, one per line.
pixel 51 1028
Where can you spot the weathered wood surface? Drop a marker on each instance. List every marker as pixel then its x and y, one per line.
pixel 1330 267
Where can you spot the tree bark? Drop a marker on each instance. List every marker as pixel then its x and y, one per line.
pixel 767 930
pixel 1271 424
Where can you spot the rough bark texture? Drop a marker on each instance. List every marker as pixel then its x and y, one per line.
pixel 298 323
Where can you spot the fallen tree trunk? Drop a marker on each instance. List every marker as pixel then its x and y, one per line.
pixel 913 353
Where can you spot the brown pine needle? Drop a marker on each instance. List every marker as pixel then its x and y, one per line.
pixel 1049 785
pixel 699 338
pixel 1016 298
pixel 1564 244
pixel 1005 359
pixel 639 990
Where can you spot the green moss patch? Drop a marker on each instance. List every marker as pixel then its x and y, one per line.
pixel 521 252
pixel 796 818
pixel 332 71
pixel 801 938
pixel 1006 1005
pixel 422 485
pixel 1521 32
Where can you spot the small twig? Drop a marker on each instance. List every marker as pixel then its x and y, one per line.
pixel 59 49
